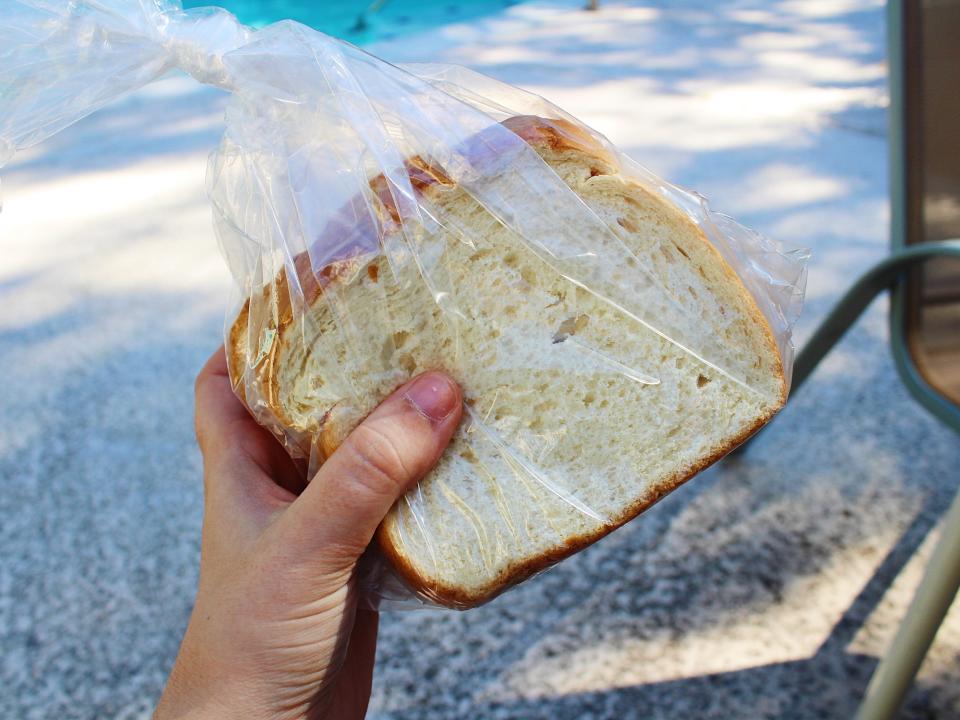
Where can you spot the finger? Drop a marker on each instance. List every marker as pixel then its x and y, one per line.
pixel 217 407
pixel 337 515
pixel 229 437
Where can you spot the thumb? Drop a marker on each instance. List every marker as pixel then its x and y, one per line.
pixel 335 517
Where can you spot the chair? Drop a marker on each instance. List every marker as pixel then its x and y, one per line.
pixel 922 274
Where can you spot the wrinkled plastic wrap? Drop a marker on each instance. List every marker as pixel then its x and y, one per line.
pixel 314 172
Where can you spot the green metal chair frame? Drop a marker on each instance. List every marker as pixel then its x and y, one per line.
pixel 894 675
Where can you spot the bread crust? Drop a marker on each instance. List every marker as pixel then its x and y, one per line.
pixel 555 135
pixel 460 599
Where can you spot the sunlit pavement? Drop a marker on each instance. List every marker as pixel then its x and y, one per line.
pixel 765 588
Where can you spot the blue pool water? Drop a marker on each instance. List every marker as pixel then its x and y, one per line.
pixel 359 21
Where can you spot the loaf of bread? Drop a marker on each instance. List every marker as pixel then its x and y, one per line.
pixel 578 416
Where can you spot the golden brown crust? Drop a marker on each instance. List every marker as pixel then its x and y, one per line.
pixel 236 350
pixel 460 599
pixel 560 136
pixel 557 136
pixel 277 297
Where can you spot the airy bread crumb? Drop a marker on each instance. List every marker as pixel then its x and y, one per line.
pixel 578 417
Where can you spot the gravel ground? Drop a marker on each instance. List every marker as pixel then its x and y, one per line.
pixel 766 588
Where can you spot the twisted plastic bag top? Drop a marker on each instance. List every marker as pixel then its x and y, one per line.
pixel 324 160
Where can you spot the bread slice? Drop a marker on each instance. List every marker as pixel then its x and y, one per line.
pixel 578 417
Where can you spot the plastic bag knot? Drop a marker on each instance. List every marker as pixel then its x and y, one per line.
pixel 198 40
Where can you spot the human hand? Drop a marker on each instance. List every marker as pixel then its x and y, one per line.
pixel 275 630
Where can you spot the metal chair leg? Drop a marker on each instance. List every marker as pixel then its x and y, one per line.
pixel 894 675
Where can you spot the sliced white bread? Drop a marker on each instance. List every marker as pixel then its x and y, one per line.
pixel 578 417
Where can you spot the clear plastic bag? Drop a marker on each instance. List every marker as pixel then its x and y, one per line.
pixel 355 202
